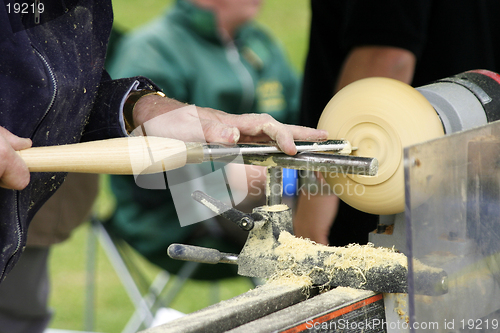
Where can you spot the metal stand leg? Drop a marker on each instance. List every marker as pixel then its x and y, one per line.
pixel 151 300
pixel 88 321
pixel 123 273
pixel 184 273
pixel 144 305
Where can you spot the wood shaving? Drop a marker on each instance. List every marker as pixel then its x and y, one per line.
pixel 293 250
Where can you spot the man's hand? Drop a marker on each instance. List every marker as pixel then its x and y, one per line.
pixel 161 116
pixel 14 173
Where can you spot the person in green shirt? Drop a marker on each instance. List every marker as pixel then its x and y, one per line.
pixel 210 53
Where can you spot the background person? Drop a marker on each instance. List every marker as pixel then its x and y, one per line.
pixel 54 90
pixel 414 41
pixel 209 53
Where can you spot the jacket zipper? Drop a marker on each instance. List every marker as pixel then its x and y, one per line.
pixel 54 88
pixel 52 101
pixel 246 80
pixel 53 80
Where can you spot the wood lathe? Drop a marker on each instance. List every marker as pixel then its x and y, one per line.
pixel 437 189
pixel 452 252
pixel 382 116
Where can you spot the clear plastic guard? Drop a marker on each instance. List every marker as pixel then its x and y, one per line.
pixel 452 188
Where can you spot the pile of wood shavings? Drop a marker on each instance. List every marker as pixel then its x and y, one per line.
pixel 289 278
pixel 292 251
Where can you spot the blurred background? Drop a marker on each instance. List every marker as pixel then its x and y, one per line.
pixel 289 21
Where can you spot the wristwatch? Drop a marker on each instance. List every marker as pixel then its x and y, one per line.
pixel 129 105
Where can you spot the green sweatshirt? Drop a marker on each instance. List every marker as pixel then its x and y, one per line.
pixel 183 53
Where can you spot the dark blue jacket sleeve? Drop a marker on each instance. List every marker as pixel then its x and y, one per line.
pixel 104 120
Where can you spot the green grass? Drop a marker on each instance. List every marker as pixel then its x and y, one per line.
pixel 112 307
pixel 289 21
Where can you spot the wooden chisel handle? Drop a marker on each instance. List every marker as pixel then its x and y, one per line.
pixel 133 155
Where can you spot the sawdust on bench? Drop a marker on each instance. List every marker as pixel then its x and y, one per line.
pixel 293 250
